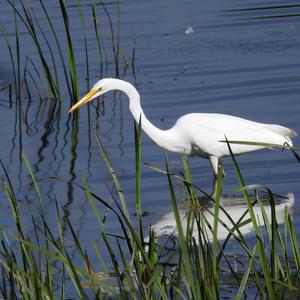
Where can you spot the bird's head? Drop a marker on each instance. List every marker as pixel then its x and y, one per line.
pixel 100 87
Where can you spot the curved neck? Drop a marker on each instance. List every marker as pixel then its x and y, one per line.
pixel 160 137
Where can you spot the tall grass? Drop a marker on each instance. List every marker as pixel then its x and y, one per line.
pixel 71 54
pixel 136 268
pixel 60 71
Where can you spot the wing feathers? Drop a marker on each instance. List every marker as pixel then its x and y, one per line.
pixel 280 130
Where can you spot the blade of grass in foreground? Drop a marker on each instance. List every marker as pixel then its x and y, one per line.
pixel 266 145
pixel 30 171
pixel 72 62
pixel 260 247
pixel 138 154
pixel 52 55
pixel 28 22
pixel 216 225
pixel 82 19
pixel 115 43
pixel 18 90
pixel 12 60
pixel 294 241
pixel 139 256
pixel 114 177
pixel 98 40
pixel 187 267
pixel 243 284
pixel 58 45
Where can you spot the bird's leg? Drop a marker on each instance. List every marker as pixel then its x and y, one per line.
pixel 215 161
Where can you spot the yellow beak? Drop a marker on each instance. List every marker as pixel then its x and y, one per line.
pixel 84 100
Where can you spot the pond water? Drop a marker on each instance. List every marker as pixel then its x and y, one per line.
pixel 242 58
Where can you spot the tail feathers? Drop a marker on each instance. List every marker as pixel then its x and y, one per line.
pixel 281 130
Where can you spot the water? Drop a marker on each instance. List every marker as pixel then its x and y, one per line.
pixel 242 59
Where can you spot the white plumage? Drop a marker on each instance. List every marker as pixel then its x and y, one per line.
pixel 204 132
pixel 201 134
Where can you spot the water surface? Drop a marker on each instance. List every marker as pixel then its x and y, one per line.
pixel 242 59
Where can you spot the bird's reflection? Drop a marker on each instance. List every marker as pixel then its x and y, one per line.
pixel 234 208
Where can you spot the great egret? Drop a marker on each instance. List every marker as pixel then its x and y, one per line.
pixel 197 133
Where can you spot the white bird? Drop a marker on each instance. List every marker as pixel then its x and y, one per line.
pixel 198 134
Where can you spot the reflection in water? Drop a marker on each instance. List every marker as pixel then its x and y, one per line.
pixel 17 139
pixel 73 156
pixel 232 67
pixel 234 206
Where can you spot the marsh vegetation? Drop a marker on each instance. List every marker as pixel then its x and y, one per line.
pixel 90 208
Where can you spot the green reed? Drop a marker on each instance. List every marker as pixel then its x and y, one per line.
pixel 60 71
pixel 137 267
pixel 98 40
pixel 14 55
pixel 71 55
pixel 84 27
pixel 114 40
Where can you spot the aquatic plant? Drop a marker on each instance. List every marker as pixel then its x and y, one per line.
pixel 59 70
pixel 41 266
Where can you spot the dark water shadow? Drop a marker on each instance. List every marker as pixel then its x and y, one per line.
pixel 268 12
